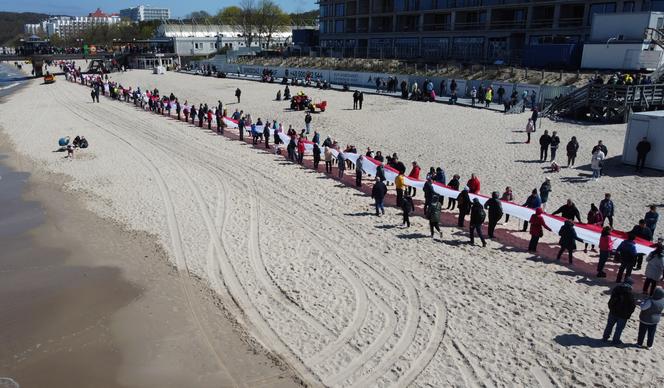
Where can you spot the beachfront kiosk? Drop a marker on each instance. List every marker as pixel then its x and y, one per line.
pixel 650 125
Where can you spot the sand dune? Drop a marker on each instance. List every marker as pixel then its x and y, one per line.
pixel 348 299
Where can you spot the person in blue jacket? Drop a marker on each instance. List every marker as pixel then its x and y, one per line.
pixel 532 202
pixel 627 253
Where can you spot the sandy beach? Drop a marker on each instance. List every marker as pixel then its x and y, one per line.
pixel 300 262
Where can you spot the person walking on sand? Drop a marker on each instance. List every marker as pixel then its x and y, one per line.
pixel 464 206
pixel 642 150
pixel 433 215
pixel 596 163
pixel 626 251
pixel 240 127
pixel 477 217
pixel 495 209
pixel 359 171
pixel 356 98
pixel 530 128
pixel 568 239
pixel 572 149
pixel 400 185
pixel 544 191
pixel 307 122
pixel 532 202
pixel 607 208
pixel 654 268
pixel 621 306
pixel 545 141
pixel 407 206
pixel 651 313
pixel 378 193
pixel 238 93
pixel 537 226
pixel 605 248
pixel 360 99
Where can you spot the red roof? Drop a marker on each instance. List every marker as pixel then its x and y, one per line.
pixel 97 14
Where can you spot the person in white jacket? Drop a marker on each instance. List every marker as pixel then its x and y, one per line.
pixel 596 163
pixel 654 268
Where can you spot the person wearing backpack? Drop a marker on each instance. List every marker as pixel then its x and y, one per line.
pixel 477 217
pixel 495 211
pixel 433 215
pixel 621 306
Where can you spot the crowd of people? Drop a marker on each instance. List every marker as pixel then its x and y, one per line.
pixel 600 216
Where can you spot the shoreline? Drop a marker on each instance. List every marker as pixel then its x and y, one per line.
pixel 103 299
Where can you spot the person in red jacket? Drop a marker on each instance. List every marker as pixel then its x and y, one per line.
pixel 537 226
pixel 473 184
pixel 209 118
pixel 300 150
pixel 415 174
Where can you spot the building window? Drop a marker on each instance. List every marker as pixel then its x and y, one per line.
pixel 656 5
pixel 338 26
pixel 628 6
pixel 340 10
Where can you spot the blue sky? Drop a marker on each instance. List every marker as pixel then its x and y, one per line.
pixel 178 7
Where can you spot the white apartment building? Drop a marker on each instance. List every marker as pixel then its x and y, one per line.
pixel 194 40
pixel 142 13
pixel 32 29
pixel 66 26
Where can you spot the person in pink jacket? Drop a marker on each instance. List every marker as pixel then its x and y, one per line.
pixel 605 248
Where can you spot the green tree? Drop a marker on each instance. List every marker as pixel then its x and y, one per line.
pixel 270 19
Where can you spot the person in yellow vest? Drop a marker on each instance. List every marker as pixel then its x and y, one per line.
pixel 400 184
pixel 489 96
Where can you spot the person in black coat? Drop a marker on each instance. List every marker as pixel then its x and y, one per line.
pixel 454 185
pixel 464 205
pixel 568 239
pixel 356 98
pixel 495 208
pixel 642 150
pixel 545 141
pixel 569 211
pixel 428 193
pixel 316 152
pixel 378 195
pixel 572 149
pixel 477 216
pixel 643 232
pixel 621 307
pixel 407 206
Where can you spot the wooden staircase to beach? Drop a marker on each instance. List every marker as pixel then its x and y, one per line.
pixel 606 103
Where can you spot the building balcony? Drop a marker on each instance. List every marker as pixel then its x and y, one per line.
pixel 507 24
pixel 570 22
pixel 464 26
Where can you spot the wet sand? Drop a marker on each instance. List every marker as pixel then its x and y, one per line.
pixel 86 303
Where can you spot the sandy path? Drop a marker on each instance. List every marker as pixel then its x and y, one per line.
pixel 345 298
